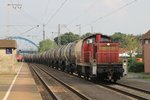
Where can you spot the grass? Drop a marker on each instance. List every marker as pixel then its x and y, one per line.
pixel 139 75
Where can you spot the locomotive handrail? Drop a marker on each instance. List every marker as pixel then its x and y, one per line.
pixel 87 52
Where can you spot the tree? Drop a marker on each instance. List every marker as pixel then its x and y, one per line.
pixel 87 34
pixel 139 48
pixel 46 45
pixel 119 37
pixel 128 41
pixel 132 43
pixel 67 38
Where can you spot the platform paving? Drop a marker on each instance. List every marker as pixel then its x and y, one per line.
pixel 136 80
pixel 24 87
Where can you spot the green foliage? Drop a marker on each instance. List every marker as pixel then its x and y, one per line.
pixel 132 44
pixel 119 37
pixel 128 41
pixel 139 56
pixel 87 34
pixel 136 67
pixel 46 45
pixel 67 38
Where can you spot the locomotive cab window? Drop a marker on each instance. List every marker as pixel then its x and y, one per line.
pixel 105 39
pixel 89 41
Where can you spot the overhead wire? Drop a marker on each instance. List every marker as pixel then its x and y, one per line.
pixel 46 10
pixel 110 13
pixel 77 17
pixel 87 9
pixel 26 13
pixel 33 18
pixel 15 25
pixel 12 4
pixel 35 26
pixel 52 16
pixel 30 29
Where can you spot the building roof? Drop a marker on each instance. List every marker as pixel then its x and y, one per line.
pixel 8 44
pixel 146 35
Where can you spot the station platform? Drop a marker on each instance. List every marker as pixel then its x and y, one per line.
pixel 23 86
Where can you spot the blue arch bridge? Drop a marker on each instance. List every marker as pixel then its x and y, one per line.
pixel 24 52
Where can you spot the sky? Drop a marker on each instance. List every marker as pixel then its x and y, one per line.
pixel 26 18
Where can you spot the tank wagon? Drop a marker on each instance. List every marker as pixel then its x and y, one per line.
pixel 95 56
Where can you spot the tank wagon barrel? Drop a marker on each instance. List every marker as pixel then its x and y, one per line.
pixel 95 56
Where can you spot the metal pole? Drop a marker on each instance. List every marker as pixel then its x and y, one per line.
pixel 43 32
pixel 79 28
pixel 92 29
pixel 59 37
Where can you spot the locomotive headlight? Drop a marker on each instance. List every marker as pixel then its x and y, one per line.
pixel 108 44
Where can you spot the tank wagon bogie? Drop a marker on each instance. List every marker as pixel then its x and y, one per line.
pixel 95 56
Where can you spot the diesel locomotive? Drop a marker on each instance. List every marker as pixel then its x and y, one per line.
pixel 94 57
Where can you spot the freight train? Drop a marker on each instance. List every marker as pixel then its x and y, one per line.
pixel 94 57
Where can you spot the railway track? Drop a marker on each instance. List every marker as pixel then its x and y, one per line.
pixel 55 94
pixel 42 86
pixel 133 92
pixel 135 88
pixel 130 91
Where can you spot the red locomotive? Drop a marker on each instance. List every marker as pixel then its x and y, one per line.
pixel 19 57
pixel 95 56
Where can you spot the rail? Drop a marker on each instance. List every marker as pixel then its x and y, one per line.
pixel 127 91
pixel 66 85
pixel 44 84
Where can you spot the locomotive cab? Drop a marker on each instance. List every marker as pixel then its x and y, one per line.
pixel 101 57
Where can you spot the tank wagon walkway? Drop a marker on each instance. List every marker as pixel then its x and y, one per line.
pixel 23 87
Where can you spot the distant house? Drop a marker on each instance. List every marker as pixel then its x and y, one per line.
pixel 7 47
pixel 146 51
pixel 7 54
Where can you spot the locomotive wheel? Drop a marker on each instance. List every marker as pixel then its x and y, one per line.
pixel 79 75
pixel 79 71
pixel 72 70
pixel 63 69
pixel 114 80
pixel 67 70
pixel 93 79
pixel 86 77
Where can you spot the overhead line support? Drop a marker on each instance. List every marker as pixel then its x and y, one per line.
pixel 43 31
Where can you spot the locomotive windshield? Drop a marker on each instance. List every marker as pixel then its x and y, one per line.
pixel 90 40
pixel 105 39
